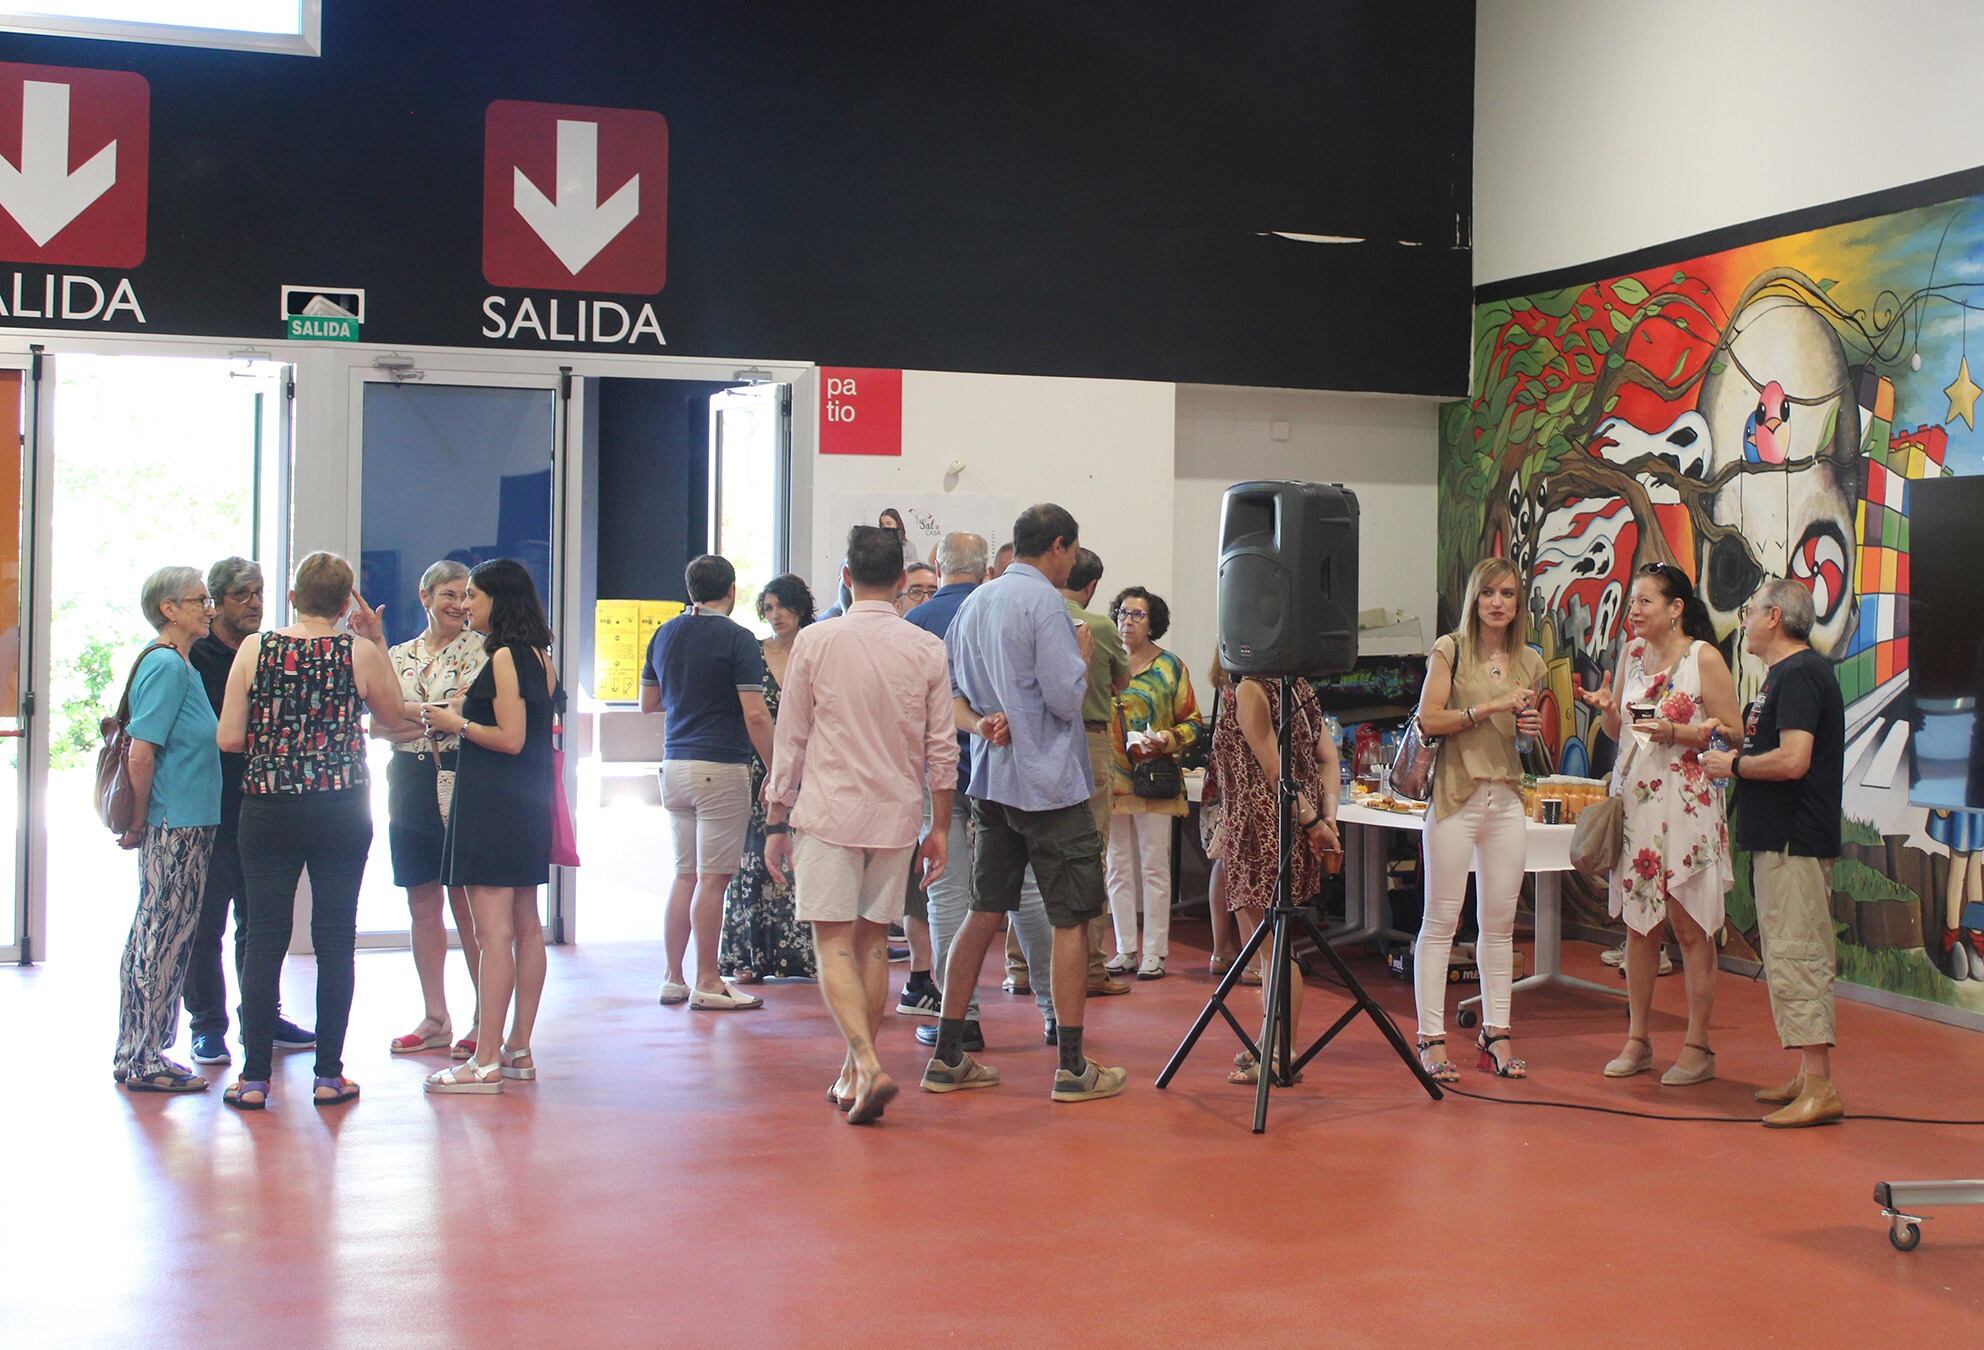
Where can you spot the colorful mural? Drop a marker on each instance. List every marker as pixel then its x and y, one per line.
pixel 1756 413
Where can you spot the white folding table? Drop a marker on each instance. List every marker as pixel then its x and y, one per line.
pixel 1367 904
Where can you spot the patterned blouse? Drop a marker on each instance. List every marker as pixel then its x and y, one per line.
pixel 437 677
pixel 1158 699
pixel 305 729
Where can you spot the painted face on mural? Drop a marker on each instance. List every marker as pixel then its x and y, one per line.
pixel 1583 562
pixel 1781 406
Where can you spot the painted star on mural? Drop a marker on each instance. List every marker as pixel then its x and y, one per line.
pixel 1963 397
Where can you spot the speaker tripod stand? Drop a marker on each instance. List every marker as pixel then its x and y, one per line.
pixel 1276 1067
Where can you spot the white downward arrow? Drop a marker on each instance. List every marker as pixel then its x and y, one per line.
pixel 42 194
pixel 580 224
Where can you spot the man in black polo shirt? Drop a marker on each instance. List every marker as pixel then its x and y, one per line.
pixel 1787 816
pixel 236 586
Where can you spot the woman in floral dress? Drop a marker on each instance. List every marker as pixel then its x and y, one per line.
pixel 1674 867
pixel 761 935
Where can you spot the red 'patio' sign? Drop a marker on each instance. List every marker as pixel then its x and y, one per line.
pixel 860 411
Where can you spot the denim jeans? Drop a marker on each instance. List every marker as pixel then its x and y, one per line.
pixel 329 833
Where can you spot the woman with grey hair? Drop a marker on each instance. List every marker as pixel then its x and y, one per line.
pixel 175 781
pixel 438 666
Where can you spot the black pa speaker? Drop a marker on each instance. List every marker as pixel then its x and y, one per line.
pixel 1288 579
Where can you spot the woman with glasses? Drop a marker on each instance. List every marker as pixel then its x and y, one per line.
pixel 761 935
pixel 1674 869
pixel 436 666
pixel 175 784
pixel 1479 695
pixel 295 704
pixel 1156 718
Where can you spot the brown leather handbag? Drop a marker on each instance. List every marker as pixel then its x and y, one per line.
pixel 116 803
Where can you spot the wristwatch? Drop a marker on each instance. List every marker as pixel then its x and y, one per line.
pixel 1735 761
pixel 781 827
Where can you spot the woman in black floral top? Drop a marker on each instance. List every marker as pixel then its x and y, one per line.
pixel 294 704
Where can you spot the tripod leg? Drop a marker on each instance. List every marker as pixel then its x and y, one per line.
pixel 1215 1005
pixel 1371 1009
pixel 1274 1026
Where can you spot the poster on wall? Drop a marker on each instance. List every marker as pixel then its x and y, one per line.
pixel 1757 413
pixel 928 516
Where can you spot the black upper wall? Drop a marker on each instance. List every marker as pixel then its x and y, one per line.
pixel 1031 187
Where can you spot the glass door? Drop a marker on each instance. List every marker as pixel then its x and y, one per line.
pixel 750 476
pixel 459 468
pixel 22 894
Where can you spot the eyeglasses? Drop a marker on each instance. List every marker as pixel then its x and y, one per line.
pixel 1143 614
pixel 203 601
pixel 243 593
pixel 1743 612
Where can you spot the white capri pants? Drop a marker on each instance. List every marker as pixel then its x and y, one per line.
pixel 1139 867
pixel 1489 835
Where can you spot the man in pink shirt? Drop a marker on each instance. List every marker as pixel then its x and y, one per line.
pixel 866 723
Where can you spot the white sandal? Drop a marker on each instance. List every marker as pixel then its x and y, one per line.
pixel 466 1077
pixel 518 1064
pixel 732 999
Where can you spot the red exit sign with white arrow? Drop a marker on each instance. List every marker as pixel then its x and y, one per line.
pixel 75 150
pixel 575 198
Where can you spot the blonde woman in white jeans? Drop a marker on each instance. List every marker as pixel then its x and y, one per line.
pixel 1480 691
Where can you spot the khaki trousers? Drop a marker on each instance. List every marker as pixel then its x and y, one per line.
pixel 1794 914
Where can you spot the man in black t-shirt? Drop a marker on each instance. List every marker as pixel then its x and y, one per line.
pixel 236 586
pixel 1787 816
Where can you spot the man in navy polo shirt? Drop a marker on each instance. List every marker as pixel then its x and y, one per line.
pixel 706 674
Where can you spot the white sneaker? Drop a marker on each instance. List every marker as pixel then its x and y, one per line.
pixel 671 992
pixel 1151 969
pixel 1616 956
pixel 1120 964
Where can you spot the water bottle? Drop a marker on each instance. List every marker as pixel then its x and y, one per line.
pixel 1524 743
pixel 1718 741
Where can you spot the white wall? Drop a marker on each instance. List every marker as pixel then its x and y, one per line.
pixel 1604 126
pixel 1382 447
pixel 1101 448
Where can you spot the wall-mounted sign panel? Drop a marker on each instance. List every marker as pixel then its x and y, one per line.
pixel 779 181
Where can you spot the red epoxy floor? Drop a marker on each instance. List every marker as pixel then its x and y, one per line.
pixel 678 1179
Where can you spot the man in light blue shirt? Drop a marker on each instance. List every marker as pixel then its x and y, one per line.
pixel 1020 667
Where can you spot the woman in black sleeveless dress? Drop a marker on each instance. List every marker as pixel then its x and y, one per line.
pixel 499 829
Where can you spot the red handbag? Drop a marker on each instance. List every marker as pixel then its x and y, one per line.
pixel 564 839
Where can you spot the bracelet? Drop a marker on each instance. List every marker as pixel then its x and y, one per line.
pixel 1470 716
pixel 778 827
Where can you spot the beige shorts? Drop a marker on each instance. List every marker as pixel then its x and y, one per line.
pixel 832 883
pixel 709 809
pixel 1794 914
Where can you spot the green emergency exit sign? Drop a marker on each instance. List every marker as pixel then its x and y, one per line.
pixel 323 327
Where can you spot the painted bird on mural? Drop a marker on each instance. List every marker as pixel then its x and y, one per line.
pixel 1765 441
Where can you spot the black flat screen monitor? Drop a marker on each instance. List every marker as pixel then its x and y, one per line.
pixel 1946 641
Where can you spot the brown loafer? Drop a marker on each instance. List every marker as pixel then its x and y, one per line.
pixel 1819 1104
pixel 1107 987
pixel 1784 1093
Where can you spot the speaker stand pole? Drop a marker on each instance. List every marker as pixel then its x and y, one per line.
pixel 1276 1066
